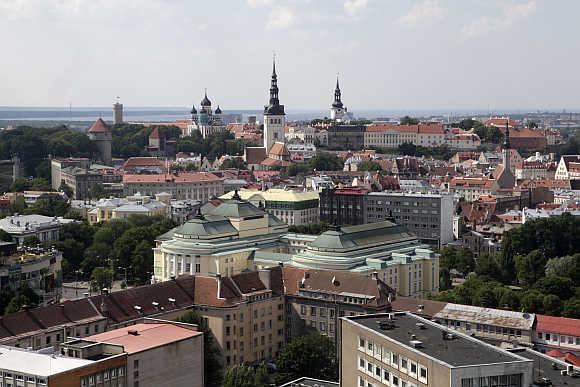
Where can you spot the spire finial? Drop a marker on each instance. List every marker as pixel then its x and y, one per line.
pixel 273 62
pixel 205 91
pixel 337 86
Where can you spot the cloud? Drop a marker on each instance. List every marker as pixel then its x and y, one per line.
pixel 422 13
pixel 506 18
pixel 280 18
pixel 258 3
pixel 355 7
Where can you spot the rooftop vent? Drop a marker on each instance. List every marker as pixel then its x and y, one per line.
pixel 172 300
pixel 416 343
pixel 155 304
pixel 386 324
pixel 133 332
pixel 137 308
pixel 447 336
pixel 421 326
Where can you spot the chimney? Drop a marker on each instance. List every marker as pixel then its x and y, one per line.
pixel 266 278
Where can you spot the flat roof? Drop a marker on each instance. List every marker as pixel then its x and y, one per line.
pixel 460 351
pixel 147 336
pixel 34 363
pixel 543 367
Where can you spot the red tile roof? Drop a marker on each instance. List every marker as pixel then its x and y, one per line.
pixel 270 162
pixel 501 121
pixel 559 325
pixel 154 133
pixel 255 155
pixel 143 162
pixel 148 336
pixel 424 127
pixel 181 178
pixel 572 359
pixel 99 127
pixel 279 149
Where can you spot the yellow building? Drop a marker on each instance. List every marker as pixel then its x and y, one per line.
pixel 291 207
pixel 221 242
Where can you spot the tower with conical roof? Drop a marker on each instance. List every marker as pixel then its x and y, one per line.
pixel 274 115
pixel 102 135
pixel 505 177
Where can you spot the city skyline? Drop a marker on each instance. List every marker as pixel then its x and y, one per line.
pixel 421 55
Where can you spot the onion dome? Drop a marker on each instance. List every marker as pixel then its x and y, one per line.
pixel 205 101
pixel 193 110
pixel 218 110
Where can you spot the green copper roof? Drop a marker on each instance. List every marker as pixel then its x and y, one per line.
pixel 359 236
pixel 235 209
pixel 203 228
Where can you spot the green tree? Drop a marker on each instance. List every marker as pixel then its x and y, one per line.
pixel 212 356
pixel 142 262
pixel 530 268
pixel 532 301
pixel 19 185
pixel 567 266
pixel 246 375
pixel 509 299
pixel 31 240
pixel 49 205
pixel 66 189
pixel 572 308
pixel 4 236
pixel 234 163
pixel 101 277
pixel 409 121
pixel 312 355
pixel 40 184
pixel 369 165
pixel 326 162
pixel 559 286
pixel 552 305
pixel 486 265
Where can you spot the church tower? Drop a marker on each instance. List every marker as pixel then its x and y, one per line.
pixel 337 107
pixel 506 178
pixel 274 116
pixel 102 135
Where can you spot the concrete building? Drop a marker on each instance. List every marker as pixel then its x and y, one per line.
pixel 185 185
pixel 402 349
pixel 56 167
pixel 117 113
pixel 102 135
pixel 45 228
pixel 158 352
pixel 82 177
pixel 343 206
pixel 346 137
pixel 429 216
pixel 503 328
pixel 274 115
pixel 23 367
pixel 37 268
pixel 429 134
pixel 290 206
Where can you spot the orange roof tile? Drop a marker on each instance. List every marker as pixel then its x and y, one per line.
pixel 99 126
pixel 560 325
pixel 184 177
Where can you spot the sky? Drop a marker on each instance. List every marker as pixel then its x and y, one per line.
pixel 389 54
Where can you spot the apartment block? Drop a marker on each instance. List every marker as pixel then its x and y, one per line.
pixel 404 350
pixel 428 215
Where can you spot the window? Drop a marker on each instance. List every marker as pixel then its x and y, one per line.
pixel 313 311
pixel 423 374
pixel 303 310
pixel 361 363
pixel 136 363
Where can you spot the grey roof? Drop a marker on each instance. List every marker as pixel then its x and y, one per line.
pixel 200 228
pixel 235 209
pixel 310 382
pixel 462 350
pixel 543 367
pixel 361 235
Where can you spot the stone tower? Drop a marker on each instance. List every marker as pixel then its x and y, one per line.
pixel 102 135
pixel 274 115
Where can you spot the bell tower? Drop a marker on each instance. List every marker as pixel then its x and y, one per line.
pixel 274 115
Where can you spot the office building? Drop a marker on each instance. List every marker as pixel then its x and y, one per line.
pixel 401 349
pixel 45 228
pixel 346 137
pixel 343 206
pixel 185 185
pixel 158 352
pixel 428 215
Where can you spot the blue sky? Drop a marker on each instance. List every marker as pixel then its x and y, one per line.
pixel 391 54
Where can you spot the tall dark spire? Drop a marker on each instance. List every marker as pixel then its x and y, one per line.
pixel 337 95
pixel 506 138
pixel 274 106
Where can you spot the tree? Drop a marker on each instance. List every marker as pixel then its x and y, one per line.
pixel 559 286
pixel 246 375
pixel 234 163
pixel 66 189
pixel 370 165
pixel 19 185
pixel 530 268
pixel 408 149
pixel 212 357
pixel 142 262
pixel 486 265
pixel 49 205
pixel 409 121
pixel 326 162
pixel 101 277
pixel 31 240
pixel 567 266
pixel 5 237
pixel 572 308
pixel 552 305
pixel 509 299
pixel 311 355
pixel 532 301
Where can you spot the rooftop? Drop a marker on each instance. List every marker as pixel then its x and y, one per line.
pixel 503 318
pixel 142 337
pixel 460 350
pixel 34 363
pixel 543 367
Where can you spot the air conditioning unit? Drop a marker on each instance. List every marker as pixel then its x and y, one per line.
pixel 416 343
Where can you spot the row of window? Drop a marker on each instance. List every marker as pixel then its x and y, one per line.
pixel 559 338
pixel 105 377
pixel 382 375
pixel 514 380
pixel 390 359
pixel 7 378
pixel 483 328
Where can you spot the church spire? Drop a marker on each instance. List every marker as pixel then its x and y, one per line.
pixel 506 139
pixel 274 106
pixel 337 96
